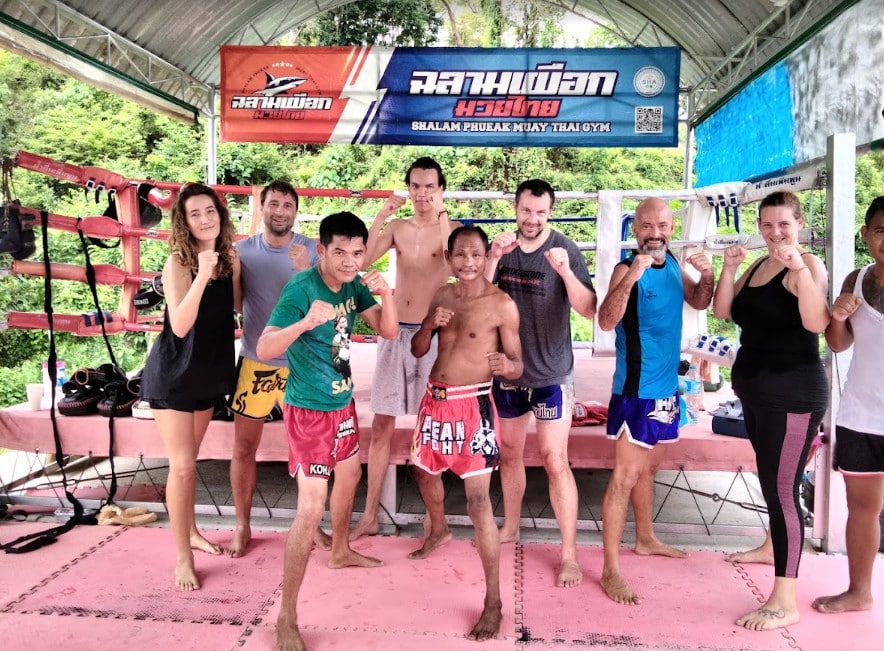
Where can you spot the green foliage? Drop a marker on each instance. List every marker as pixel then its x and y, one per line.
pixel 374 22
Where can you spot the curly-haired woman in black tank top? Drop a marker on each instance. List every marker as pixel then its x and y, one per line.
pixel 780 305
pixel 191 364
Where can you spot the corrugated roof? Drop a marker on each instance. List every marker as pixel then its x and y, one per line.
pixel 165 52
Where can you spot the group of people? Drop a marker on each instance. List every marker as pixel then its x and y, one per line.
pixel 476 358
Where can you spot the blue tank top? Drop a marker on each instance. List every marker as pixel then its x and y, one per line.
pixel 648 337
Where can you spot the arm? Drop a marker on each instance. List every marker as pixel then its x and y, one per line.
pixel 380 239
pixel 622 281
pixel 237 284
pixel 839 333
pixel 581 297
pixel 183 295
pixel 698 294
pixel 274 341
pixel 808 280
pixel 728 287
pixel 382 318
pixel 437 317
pixel 508 363
pixel 500 246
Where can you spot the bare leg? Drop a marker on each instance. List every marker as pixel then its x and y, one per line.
pixel 780 609
pixel 182 432
pixel 347 474
pixel 488 545
pixel 512 434
pixel 243 479
pixel 646 541
pixel 761 554
pixel 864 498
pixel 382 428
pixel 433 495
pixel 298 544
pixel 322 540
pixel 553 441
pixel 629 461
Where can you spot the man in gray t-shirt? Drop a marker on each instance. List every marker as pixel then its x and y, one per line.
pixel 268 260
pixel 546 275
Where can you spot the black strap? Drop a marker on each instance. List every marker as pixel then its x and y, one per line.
pixel 32 541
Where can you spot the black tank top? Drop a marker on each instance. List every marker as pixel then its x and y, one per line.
pixel 778 362
pixel 200 365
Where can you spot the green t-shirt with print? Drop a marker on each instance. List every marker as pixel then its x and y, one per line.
pixel 319 360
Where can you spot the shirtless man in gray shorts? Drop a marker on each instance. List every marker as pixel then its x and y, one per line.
pixel 401 379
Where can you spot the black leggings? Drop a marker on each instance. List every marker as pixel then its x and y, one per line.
pixel 781 441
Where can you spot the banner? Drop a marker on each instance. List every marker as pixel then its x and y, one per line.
pixel 497 97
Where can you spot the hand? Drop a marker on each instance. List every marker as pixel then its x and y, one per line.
pixel 498 363
pixel 503 244
pixel 701 262
pixel 391 206
pixel 375 281
pixel 789 255
pixel 298 256
pixel 734 256
pixel 206 263
pixel 436 202
pixel 442 317
pixel 558 260
pixel 639 264
pixel 844 306
pixel 319 313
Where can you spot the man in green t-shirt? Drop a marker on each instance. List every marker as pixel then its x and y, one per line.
pixel 313 317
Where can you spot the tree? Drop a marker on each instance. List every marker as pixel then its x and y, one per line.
pixel 374 22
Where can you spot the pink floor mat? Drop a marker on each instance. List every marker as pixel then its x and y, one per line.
pixel 820 575
pixel 686 604
pixel 111 588
pixel 132 577
pixel 19 573
pixel 440 597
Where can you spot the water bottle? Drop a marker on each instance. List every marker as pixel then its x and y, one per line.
pixel 60 379
pixel 692 398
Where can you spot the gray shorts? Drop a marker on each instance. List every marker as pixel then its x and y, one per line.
pixel 400 378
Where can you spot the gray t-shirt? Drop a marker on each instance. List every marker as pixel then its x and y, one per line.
pixel 544 310
pixel 265 271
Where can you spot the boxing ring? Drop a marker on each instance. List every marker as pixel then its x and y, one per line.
pixel 31 434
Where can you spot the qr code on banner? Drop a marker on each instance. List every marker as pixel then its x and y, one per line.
pixel 649 119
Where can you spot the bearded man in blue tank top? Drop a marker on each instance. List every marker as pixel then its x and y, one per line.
pixel 644 306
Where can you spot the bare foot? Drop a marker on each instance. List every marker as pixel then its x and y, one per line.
pixel 365 527
pixel 321 539
pixel 488 625
pixel 241 538
pixel 570 574
pixel 841 603
pixel 657 548
pixel 185 576
pixel 507 536
pixel 353 559
pixel 431 543
pixel 761 554
pixel 197 541
pixel 288 638
pixel 618 590
pixel 766 619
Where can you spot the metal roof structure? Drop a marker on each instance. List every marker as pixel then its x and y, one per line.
pixel 165 53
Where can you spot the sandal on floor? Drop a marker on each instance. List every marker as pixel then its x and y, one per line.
pixel 134 516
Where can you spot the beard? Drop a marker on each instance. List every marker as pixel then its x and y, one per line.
pixel 655 248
